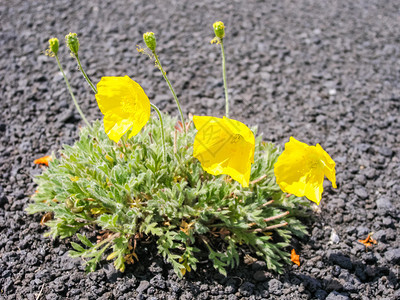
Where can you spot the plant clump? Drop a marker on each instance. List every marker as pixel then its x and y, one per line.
pixel 199 185
pixel 129 191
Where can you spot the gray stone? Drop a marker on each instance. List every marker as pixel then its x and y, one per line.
pixel 385 151
pixel 275 287
pixel 384 203
pixel 362 230
pixel 341 260
pixel 380 236
pixel 337 296
pixel 261 276
pixel 143 286
pixel 361 192
pixel 393 256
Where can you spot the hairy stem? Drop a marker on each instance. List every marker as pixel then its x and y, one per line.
pixel 224 77
pixel 85 75
pixel 71 93
pixel 276 217
pixel 271 227
pixel 170 87
pixel 107 240
pixel 258 179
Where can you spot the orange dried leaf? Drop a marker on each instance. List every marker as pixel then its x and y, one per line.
pixel 186 227
pixel 368 242
pixel 295 258
pixel 46 217
pixel 43 160
pixel 179 126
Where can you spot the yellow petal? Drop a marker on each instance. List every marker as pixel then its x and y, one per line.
pixel 314 185
pixel 237 127
pixel 124 104
pixel 329 165
pixel 300 170
pixel 224 146
pixel 116 128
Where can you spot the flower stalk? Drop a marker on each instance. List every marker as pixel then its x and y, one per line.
pixel 72 42
pixel 70 91
pixel 85 75
pixel 219 30
pixel 225 82
pixel 170 86
pixel 150 42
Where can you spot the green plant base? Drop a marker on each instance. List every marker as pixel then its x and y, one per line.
pixel 128 191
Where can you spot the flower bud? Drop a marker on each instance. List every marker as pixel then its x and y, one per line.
pixel 69 203
pixel 72 42
pixel 219 29
pixel 53 45
pixel 150 40
pixel 77 209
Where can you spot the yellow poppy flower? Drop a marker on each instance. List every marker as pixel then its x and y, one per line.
pixel 124 105
pixel 224 146
pixel 301 168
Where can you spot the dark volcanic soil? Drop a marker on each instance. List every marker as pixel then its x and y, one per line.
pixel 322 71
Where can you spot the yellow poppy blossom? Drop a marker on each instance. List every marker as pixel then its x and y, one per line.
pixel 224 146
pixel 124 105
pixel 301 168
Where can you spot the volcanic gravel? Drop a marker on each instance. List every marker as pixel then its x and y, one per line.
pixel 321 71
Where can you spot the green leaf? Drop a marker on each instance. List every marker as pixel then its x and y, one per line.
pixel 73 253
pixel 84 240
pixel 77 247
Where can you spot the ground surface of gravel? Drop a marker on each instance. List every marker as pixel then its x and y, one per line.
pixel 322 71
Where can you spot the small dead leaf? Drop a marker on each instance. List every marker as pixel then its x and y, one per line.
pixel 43 160
pixel 223 232
pixel 103 235
pixel 46 217
pixel 130 258
pixel 369 241
pixel 248 260
pixel 186 227
pixel 179 126
pixel 295 258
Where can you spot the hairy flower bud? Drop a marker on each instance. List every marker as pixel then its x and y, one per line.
pixel 69 203
pixel 219 29
pixel 53 45
pixel 150 40
pixel 72 42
